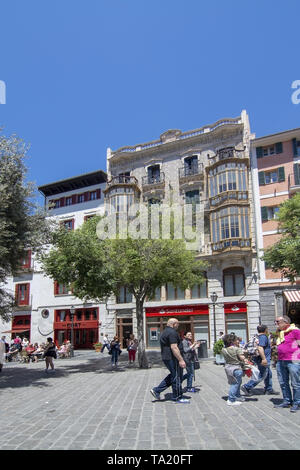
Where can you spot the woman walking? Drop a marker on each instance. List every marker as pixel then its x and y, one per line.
pixel 115 351
pixel 234 367
pixel 50 354
pixel 132 345
pixel 189 355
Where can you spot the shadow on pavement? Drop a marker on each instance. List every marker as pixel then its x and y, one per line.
pixel 24 375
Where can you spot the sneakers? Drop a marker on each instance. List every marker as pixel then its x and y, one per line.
pixel 284 404
pixel 155 394
pixel 241 399
pixel 246 391
pixel 182 400
pixel 294 408
pixel 191 390
pixel 233 403
pixel 270 392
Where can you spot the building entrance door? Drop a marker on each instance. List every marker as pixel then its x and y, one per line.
pixel 124 330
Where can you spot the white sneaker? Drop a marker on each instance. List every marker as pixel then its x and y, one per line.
pixel 233 403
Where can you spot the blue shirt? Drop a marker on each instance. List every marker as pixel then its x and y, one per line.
pixel 265 343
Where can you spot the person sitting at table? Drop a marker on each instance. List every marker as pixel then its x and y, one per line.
pixel 30 349
pixel 62 351
pixel 38 353
pixel 12 353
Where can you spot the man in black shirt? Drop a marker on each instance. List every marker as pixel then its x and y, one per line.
pixel 170 344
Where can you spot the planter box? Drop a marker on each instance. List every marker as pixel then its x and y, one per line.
pixel 220 359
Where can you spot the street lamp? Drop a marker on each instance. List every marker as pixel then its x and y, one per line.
pixel 72 313
pixel 214 298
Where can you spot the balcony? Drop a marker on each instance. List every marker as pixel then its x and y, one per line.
pixel 228 197
pixel 122 181
pixel 192 174
pixel 232 244
pixel 293 183
pixel 153 183
pixel 229 153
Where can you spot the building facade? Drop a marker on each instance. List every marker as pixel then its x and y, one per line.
pixel 210 169
pixel 44 306
pixel 275 161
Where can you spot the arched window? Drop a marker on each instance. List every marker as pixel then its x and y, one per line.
pixel 233 281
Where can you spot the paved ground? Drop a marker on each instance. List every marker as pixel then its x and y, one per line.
pixel 85 404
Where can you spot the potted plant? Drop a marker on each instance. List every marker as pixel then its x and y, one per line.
pixel 218 346
pixel 97 347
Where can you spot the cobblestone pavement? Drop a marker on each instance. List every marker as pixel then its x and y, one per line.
pixel 85 404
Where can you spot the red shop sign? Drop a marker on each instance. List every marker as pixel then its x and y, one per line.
pixel 238 307
pixel 66 325
pixel 179 310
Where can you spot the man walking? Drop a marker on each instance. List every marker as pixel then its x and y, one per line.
pixel 288 365
pixel 105 343
pixel 170 344
pixel 263 362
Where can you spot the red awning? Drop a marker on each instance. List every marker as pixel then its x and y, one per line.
pixel 16 331
pixel 292 295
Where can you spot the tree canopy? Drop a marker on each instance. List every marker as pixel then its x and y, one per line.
pixel 22 224
pixel 284 256
pixel 98 268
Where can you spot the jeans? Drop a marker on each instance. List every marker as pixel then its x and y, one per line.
pixel 286 371
pixel 265 374
pixel 114 356
pixel 234 390
pixel 174 379
pixel 189 374
pixel 105 346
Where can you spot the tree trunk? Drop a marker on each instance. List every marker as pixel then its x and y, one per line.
pixel 142 356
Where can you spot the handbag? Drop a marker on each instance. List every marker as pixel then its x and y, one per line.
pixel 196 365
pixel 255 373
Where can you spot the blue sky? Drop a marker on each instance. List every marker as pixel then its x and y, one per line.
pixel 82 76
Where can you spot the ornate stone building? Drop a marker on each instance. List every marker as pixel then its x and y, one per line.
pixel 209 168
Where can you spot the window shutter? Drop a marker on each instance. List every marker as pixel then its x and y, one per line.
pixel 296 173
pixel 278 147
pixel 86 196
pixel 99 193
pixel 74 198
pixel 17 294
pixel 259 152
pixel 264 213
pixel 295 147
pixel 27 289
pixel 261 178
pixel 55 287
pixel 62 202
pixel 281 175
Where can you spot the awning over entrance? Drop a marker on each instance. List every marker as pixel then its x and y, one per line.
pixel 292 295
pixel 15 331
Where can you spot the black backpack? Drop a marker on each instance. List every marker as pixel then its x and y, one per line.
pixel 6 347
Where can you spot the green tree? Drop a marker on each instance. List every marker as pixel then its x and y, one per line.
pixel 98 268
pixel 22 224
pixel 284 256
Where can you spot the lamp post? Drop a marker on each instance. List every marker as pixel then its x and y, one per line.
pixel 214 298
pixel 72 313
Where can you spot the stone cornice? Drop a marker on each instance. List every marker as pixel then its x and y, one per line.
pixel 173 141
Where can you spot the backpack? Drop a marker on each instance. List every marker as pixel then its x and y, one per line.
pixel 251 348
pixel 6 347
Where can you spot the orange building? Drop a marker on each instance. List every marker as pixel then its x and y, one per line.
pixel 276 177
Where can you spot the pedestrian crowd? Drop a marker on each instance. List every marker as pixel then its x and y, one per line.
pixel 114 348
pixel 21 350
pixel 251 361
